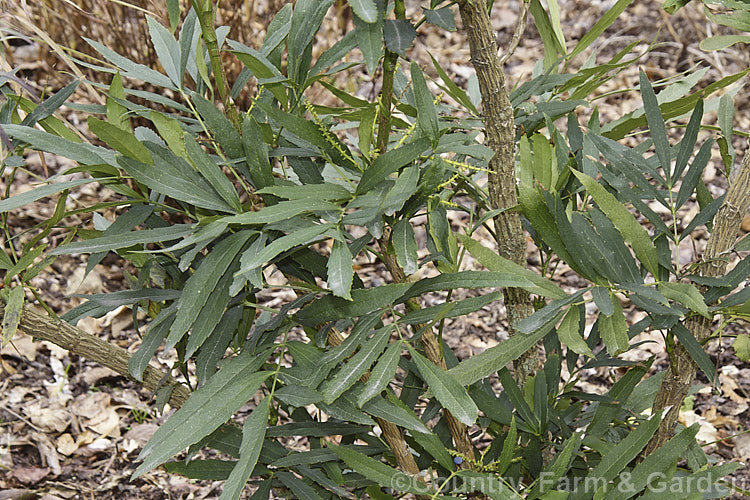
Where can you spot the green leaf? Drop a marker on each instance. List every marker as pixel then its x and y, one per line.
pixel 656 124
pixel 343 409
pixel 695 350
pixel 457 308
pixel 672 108
pixel 167 50
pixel 306 20
pixel 614 330
pixel 427 117
pixel 399 35
pixel 363 301
pixel 316 429
pixel 535 209
pixel 496 263
pixel 552 45
pixel 443 18
pixel 327 59
pixel 171 132
pixel 173 182
pixel 210 469
pixel 548 316
pixel 173 12
pixel 603 300
pixel 569 332
pixel 27 197
pixel 516 397
pixel 205 410
pixel 212 173
pixel 626 450
pixel 382 374
pixel 672 6
pixel 308 192
pixel 365 10
pixel 298 396
pixel 204 280
pixel 738 16
pixel 188 42
pixel 262 69
pixel 454 90
pixel 391 410
pixel 298 488
pixel 686 294
pixel 301 236
pixel 370 41
pixel 340 271
pixel 659 461
pixel 355 367
pixel 157 330
pixel 631 231
pixel 620 391
pixel 723 41
pixel 544 168
pixel 309 131
pixel 253 433
pixel 725 117
pixel 281 211
pixel 132 69
pixel 694 174
pixel 687 144
pixel 47 108
pixel 120 140
pixel 602 24
pixel 215 346
pixel 469 279
pixel 447 389
pixel 390 162
pixel 12 313
pixel 404 188
pixel 509 448
pixel 51 123
pixel 123 240
pixel 210 314
pixel 486 363
pixel 563 459
pixel 741 346
pixel 117 114
pixel 378 472
pixel 220 126
pixel 320 455
pixel 85 154
pixel 405 245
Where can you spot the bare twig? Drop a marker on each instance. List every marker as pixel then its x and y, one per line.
pixel 517 34
pixel 75 340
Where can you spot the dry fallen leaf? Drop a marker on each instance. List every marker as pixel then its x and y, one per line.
pixel 106 423
pixel 137 436
pixel 47 452
pixel 742 447
pixel 53 419
pixel 30 475
pixel 66 445
pixel 707 432
pixel 89 405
